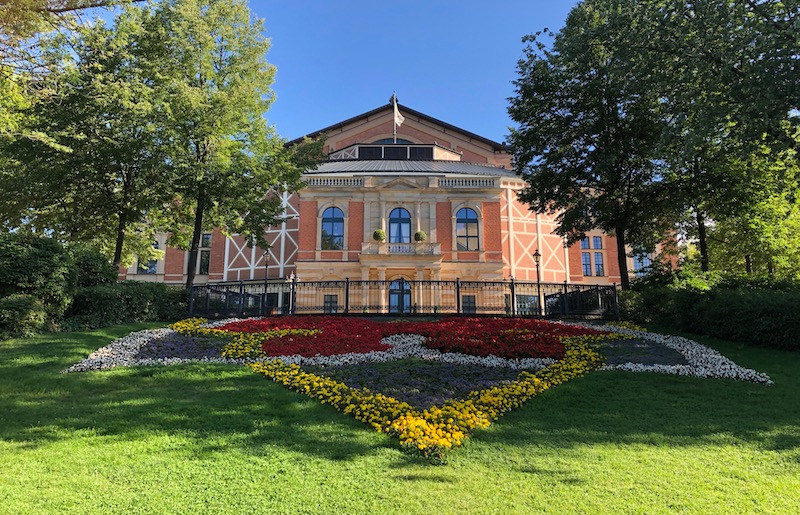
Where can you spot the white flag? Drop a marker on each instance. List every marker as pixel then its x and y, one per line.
pixel 398 118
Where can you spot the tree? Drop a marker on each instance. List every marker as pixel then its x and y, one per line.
pixel 22 22
pixel 110 172
pixel 728 80
pixel 587 132
pixel 230 162
pixel 763 235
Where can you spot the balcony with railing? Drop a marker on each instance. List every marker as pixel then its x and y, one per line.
pixel 415 248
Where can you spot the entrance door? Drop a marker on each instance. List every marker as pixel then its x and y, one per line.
pixel 400 296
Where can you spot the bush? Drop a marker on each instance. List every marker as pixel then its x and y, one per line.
pixel 729 310
pixel 39 267
pixel 130 301
pixel 21 315
pixel 91 267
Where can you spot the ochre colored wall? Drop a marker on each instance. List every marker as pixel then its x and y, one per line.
pixel 444 228
pixel 355 229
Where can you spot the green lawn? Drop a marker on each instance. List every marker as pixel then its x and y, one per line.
pixel 208 439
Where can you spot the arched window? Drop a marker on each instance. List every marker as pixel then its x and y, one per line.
pixel 332 237
pixel 399 226
pixel 391 141
pixel 466 229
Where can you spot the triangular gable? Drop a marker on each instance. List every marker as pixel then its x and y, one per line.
pixel 387 110
pixel 401 184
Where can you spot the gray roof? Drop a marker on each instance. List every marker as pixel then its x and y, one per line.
pixel 424 167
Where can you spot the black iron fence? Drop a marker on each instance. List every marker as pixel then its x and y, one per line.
pixel 402 297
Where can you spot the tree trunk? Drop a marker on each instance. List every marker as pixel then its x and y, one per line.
pixel 748 263
pixel 703 243
pixel 196 235
pixel 622 258
pixel 121 225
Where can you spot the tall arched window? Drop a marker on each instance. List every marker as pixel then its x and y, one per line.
pixel 399 226
pixel 466 229
pixel 332 236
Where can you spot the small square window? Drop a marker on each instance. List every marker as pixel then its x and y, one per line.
pixel 585 243
pixel 370 153
pixel 597 242
pixel 205 240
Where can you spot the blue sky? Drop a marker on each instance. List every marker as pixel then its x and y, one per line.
pixel 453 60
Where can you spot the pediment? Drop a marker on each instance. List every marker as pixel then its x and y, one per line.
pixel 400 184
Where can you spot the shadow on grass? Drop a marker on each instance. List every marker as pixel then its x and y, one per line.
pixel 662 410
pixel 218 407
pixel 221 407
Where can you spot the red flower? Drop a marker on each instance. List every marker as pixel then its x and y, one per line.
pixel 503 337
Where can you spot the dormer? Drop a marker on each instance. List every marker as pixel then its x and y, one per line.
pixel 401 151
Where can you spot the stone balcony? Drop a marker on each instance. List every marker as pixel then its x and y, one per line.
pixel 389 249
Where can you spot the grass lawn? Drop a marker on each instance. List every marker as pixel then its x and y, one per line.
pixel 216 438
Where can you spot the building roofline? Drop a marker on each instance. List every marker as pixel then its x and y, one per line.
pixel 502 147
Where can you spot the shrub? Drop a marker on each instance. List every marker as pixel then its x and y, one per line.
pixel 21 315
pixel 729 310
pixel 130 301
pixel 420 236
pixel 39 267
pixel 91 267
pixel 379 235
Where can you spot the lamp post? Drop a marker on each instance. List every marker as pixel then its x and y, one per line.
pixel 537 258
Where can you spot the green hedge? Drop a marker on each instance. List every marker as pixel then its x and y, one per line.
pixel 742 313
pixel 37 266
pixel 91 267
pixel 131 301
pixel 21 315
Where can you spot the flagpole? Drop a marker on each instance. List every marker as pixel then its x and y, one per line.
pixel 394 118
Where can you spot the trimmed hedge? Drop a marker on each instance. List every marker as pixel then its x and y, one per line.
pixel 745 314
pixel 130 301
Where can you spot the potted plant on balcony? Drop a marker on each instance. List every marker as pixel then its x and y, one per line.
pixel 379 235
pixel 420 236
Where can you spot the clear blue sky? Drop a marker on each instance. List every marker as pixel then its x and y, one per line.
pixel 453 60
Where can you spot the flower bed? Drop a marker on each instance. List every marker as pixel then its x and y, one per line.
pixel 432 432
pixel 437 429
pixel 542 354
pixel 328 336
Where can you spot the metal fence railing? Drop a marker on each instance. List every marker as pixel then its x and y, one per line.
pixel 402 297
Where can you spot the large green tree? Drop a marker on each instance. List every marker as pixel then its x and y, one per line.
pixel 109 171
pixel 763 235
pixel 230 162
pixel 728 79
pixel 586 132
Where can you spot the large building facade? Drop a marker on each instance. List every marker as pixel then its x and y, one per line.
pixel 445 199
